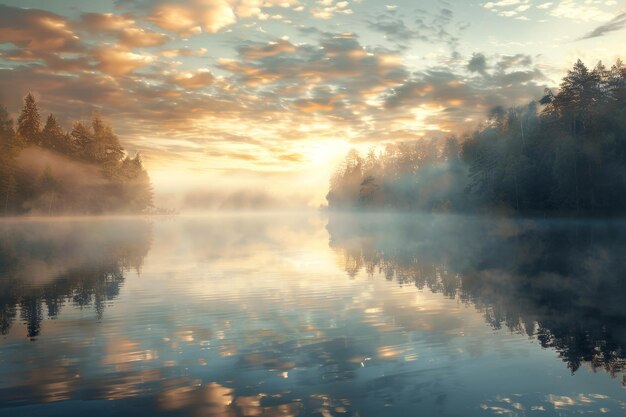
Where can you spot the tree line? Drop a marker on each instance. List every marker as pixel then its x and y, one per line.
pixel 565 153
pixel 47 170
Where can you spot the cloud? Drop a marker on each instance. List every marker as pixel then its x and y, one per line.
pixel 104 22
pixel 194 17
pixel 183 52
pixel 339 60
pixel 581 10
pixel 459 101
pixel 395 29
pixel 119 61
pixel 326 9
pixel 478 63
pixel 256 8
pixel 509 8
pixel 37 30
pixel 141 38
pixel 617 23
pixel 337 78
pixel 57 44
pixel 518 60
pixel 265 50
pixel 434 28
pixel 123 27
pixel 194 79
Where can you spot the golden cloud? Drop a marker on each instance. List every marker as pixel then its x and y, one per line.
pixel 105 22
pixel 118 61
pixel 197 79
pixel 193 18
pixel 138 38
pixel 36 30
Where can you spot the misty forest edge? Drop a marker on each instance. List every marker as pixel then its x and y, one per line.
pixel 85 171
pixel 564 154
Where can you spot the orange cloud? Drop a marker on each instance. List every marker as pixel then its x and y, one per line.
pixel 117 61
pixel 173 53
pixel 254 8
pixel 194 18
pixel 138 38
pixel 36 30
pixel 123 26
pixel 105 22
pixel 198 79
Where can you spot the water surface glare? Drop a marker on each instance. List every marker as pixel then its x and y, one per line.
pixel 312 315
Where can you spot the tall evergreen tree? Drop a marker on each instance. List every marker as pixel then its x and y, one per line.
pixel 107 149
pixel 8 152
pixel 53 137
pixel 83 140
pixel 29 121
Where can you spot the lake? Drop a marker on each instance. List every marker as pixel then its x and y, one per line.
pixel 312 315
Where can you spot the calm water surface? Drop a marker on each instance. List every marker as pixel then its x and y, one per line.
pixel 312 315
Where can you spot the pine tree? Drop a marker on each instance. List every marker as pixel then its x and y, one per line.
pixel 579 92
pixel 137 189
pixel 83 139
pixel 52 136
pixel 107 148
pixel 29 121
pixel 8 151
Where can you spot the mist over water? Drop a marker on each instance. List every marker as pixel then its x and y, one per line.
pixel 309 314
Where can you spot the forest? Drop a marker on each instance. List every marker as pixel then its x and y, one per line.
pixel 564 153
pixel 48 171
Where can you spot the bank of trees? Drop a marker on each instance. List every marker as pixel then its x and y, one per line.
pixel 564 153
pixel 46 170
pixel 425 174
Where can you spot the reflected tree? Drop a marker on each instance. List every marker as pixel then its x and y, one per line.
pixel 560 282
pixel 46 266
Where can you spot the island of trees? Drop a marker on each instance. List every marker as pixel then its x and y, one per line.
pixel 47 171
pixel 565 153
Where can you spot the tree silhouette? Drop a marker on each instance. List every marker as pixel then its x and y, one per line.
pixel 29 121
pixel 53 137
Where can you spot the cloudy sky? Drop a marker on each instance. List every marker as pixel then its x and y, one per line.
pixel 270 94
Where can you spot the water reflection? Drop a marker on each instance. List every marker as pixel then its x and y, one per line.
pixel 44 265
pixel 561 282
pixel 253 315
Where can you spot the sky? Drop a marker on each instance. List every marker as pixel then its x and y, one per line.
pixel 267 96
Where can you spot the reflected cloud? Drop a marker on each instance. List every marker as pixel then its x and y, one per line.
pixel 254 315
pixel 556 281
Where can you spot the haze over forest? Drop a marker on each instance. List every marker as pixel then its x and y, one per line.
pixel 240 104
